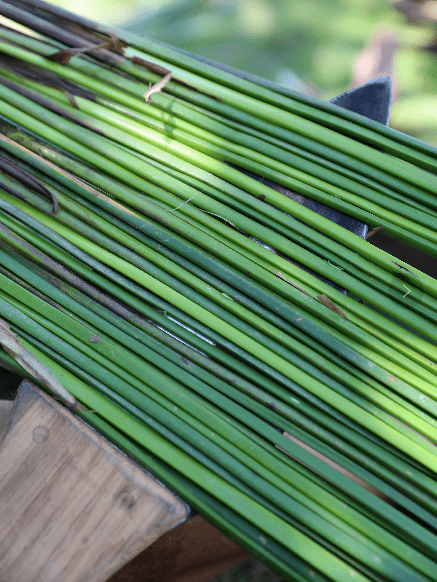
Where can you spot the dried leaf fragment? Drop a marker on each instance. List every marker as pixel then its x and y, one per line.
pixel 330 305
pixel 281 276
pixel 373 231
pixel 117 46
pixel 162 71
pixel 65 55
pixel 157 88
pixel 150 66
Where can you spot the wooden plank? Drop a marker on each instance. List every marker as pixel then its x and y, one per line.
pixel 5 412
pixel 72 507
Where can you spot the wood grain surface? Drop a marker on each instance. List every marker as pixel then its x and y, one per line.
pixel 5 412
pixel 72 507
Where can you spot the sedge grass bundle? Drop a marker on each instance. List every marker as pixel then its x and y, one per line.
pixel 180 300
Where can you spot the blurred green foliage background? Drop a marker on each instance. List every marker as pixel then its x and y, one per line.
pixel 318 46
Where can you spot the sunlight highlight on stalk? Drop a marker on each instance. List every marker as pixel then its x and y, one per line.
pixel 200 317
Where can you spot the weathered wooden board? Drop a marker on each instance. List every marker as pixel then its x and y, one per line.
pixel 5 412
pixel 72 507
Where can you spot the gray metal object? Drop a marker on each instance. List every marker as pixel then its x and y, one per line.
pixel 373 100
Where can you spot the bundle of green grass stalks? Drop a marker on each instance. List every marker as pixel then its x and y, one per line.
pixel 151 277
